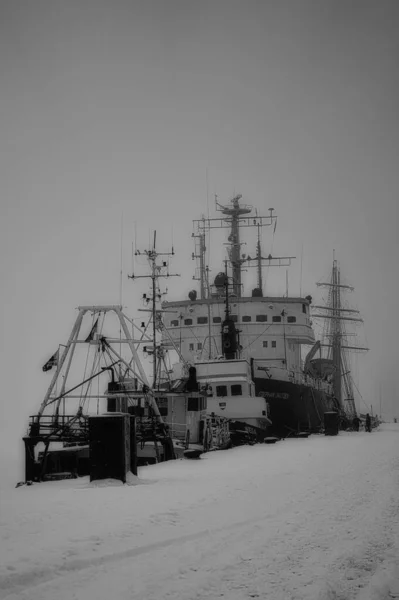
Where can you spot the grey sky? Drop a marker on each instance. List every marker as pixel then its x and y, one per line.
pixel 122 106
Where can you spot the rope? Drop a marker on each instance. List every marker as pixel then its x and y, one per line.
pixel 82 400
pixel 361 397
pixel 96 362
pixel 83 397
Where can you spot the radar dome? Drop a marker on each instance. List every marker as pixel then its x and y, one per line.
pixel 220 280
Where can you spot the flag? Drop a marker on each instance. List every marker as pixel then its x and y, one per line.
pixel 92 332
pixel 275 225
pixel 52 362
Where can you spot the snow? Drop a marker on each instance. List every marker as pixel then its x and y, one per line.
pixel 314 518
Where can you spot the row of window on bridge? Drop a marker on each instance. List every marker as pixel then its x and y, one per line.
pixel 234 318
pixel 265 344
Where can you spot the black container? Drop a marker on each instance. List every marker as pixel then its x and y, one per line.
pixel 331 423
pixel 109 441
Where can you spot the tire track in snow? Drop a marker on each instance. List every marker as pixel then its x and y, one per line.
pixel 265 556
pixel 293 573
pixel 294 564
pixel 21 581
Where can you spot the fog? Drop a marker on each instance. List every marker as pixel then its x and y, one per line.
pixel 141 111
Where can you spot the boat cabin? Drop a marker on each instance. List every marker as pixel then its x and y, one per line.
pixel 231 391
pixel 183 412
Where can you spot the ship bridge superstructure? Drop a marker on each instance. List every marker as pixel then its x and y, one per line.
pixel 271 330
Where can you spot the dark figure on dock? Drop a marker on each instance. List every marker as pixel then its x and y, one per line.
pixel 368 423
pixel 355 423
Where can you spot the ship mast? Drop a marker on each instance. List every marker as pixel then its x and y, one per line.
pixel 234 213
pixel 157 271
pixel 235 217
pixel 259 261
pixel 270 261
pixel 335 316
pixel 201 256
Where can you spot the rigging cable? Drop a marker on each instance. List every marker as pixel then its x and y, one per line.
pixel 361 397
pixel 81 399
pixel 96 362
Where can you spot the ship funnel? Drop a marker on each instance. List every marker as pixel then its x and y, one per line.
pixel 257 293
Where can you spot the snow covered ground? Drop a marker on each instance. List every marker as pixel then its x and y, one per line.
pixel 314 518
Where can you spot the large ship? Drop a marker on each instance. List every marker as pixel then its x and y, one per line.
pixel 224 322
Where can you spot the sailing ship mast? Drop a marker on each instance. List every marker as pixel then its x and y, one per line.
pixel 335 339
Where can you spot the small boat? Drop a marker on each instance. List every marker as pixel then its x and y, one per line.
pixel 231 394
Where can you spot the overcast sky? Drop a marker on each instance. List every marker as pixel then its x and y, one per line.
pixel 122 107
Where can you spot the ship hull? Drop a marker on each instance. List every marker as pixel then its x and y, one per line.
pixel 293 407
pixel 245 431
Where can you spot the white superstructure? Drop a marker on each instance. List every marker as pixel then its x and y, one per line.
pixel 271 330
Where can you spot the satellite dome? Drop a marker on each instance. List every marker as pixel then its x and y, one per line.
pixel 220 280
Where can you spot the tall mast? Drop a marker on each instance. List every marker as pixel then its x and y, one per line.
pixel 233 213
pixel 235 216
pixel 336 333
pixel 259 261
pixel 154 323
pixel 335 316
pixel 201 256
pixel 157 271
pixel 270 261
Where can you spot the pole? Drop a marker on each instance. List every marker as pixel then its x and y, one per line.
pixel 227 309
pixel 336 333
pixel 300 277
pixel 209 330
pixel 154 371
pixel 121 290
pixel 259 261
pixel 285 345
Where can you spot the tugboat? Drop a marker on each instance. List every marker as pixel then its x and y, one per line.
pixel 265 331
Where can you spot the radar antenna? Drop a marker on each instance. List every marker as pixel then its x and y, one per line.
pixel 157 271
